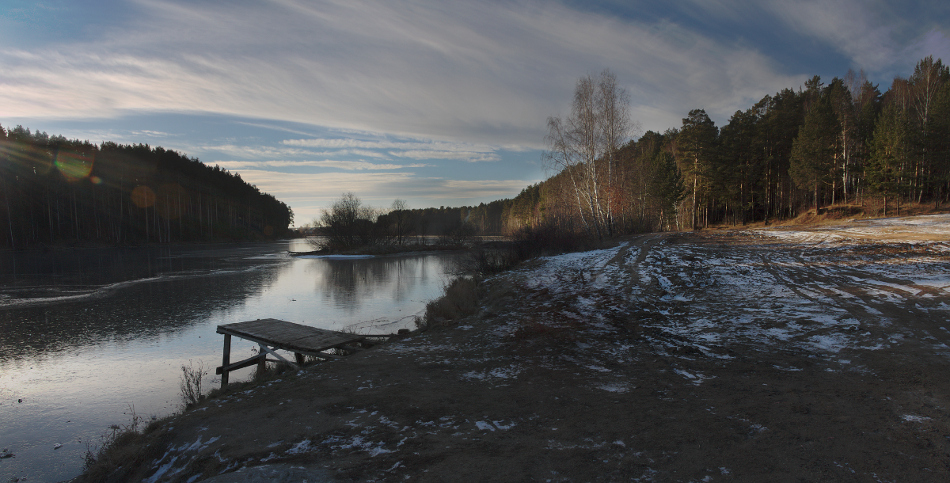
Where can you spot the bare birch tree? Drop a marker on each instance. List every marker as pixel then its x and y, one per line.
pixel 585 146
pixel 615 129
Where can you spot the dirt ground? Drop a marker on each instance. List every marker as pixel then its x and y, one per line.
pixel 726 356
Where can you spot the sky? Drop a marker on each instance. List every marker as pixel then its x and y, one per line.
pixel 438 103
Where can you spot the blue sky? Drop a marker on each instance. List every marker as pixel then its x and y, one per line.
pixel 434 102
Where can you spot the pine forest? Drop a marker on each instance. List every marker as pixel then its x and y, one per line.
pixel 55 191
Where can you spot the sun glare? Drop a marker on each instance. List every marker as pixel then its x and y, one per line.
pixel 143 196
pixel 74 166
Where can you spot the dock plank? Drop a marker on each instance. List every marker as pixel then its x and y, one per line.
pixel 288 335
pixel 275 334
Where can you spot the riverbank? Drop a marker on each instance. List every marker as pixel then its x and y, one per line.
pixel 751 356
pixel 123 322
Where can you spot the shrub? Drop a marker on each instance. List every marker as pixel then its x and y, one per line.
pixel 460 300
pixel 124 446
pixel 190 384
pixel 547 239
pixel 348 224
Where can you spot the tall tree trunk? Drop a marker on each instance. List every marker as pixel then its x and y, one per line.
pixel 6 197
pixel 695 189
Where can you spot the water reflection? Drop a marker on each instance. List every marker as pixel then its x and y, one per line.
pixel 138 311
pixel 86 333
pixel 348 283
pixel 35 277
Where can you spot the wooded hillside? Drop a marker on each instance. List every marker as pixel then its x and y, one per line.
pixel 820 145
pixel 54 190
pixel 844 142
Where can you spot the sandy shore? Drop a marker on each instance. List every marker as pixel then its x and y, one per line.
pixel 729 356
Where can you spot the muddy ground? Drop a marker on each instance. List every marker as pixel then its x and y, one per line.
pixel 727 356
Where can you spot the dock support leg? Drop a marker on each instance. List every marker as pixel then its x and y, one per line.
pixel 262 362
pixel 226 360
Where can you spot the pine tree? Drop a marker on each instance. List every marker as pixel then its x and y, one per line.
pixel 886 169
pixel 666 187
pixel 697 149
pixel 925 86
pixel 811 163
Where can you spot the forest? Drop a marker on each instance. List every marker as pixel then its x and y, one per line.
pixel 824 145
pixel 842 145
pixel 56 191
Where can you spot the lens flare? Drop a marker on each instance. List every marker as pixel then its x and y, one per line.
pixel 143 196
pixel 74 166
pixel 28 159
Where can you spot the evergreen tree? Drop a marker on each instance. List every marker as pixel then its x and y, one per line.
pixel 696 144
pixel 57 190
pixel 886 170
pixel 666 187
pixel 739 174
pixel 924 88
pixel 812 157
pixel 940 145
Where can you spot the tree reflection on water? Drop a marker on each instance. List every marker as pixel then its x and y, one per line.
pixel 349 283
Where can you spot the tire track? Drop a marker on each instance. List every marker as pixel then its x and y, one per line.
pixel 805 282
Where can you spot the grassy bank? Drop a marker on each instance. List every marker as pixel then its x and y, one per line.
pixel 844 212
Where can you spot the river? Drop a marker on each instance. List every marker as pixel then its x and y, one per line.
pixel 87 336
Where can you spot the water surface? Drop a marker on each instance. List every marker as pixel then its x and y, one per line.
pixel 89 335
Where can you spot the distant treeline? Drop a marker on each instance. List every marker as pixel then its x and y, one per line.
pixel 484 219
pixel 59 191
pixel 844 142
pixel 396 224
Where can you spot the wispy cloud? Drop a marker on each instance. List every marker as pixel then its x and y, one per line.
pixel 464 71
pixel 337 164
pixel 935 42
pixel 472 157
pixel 863 30
pixel 402 149
pixel 255 151
pixel 880 37
pixel 350 143
pixel 375 94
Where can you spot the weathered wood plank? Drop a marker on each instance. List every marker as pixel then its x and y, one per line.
pixel 250 361
pixel 288 336
pixel 278 356
pixel 275 334
pixel 226 359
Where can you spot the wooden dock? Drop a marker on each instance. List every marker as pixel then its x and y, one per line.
pixel 273 335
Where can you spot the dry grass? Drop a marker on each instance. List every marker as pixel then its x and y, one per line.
pixel 460 300
pixel 122 447
pixel 835 214
pixel 129 445
pixel 190 384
